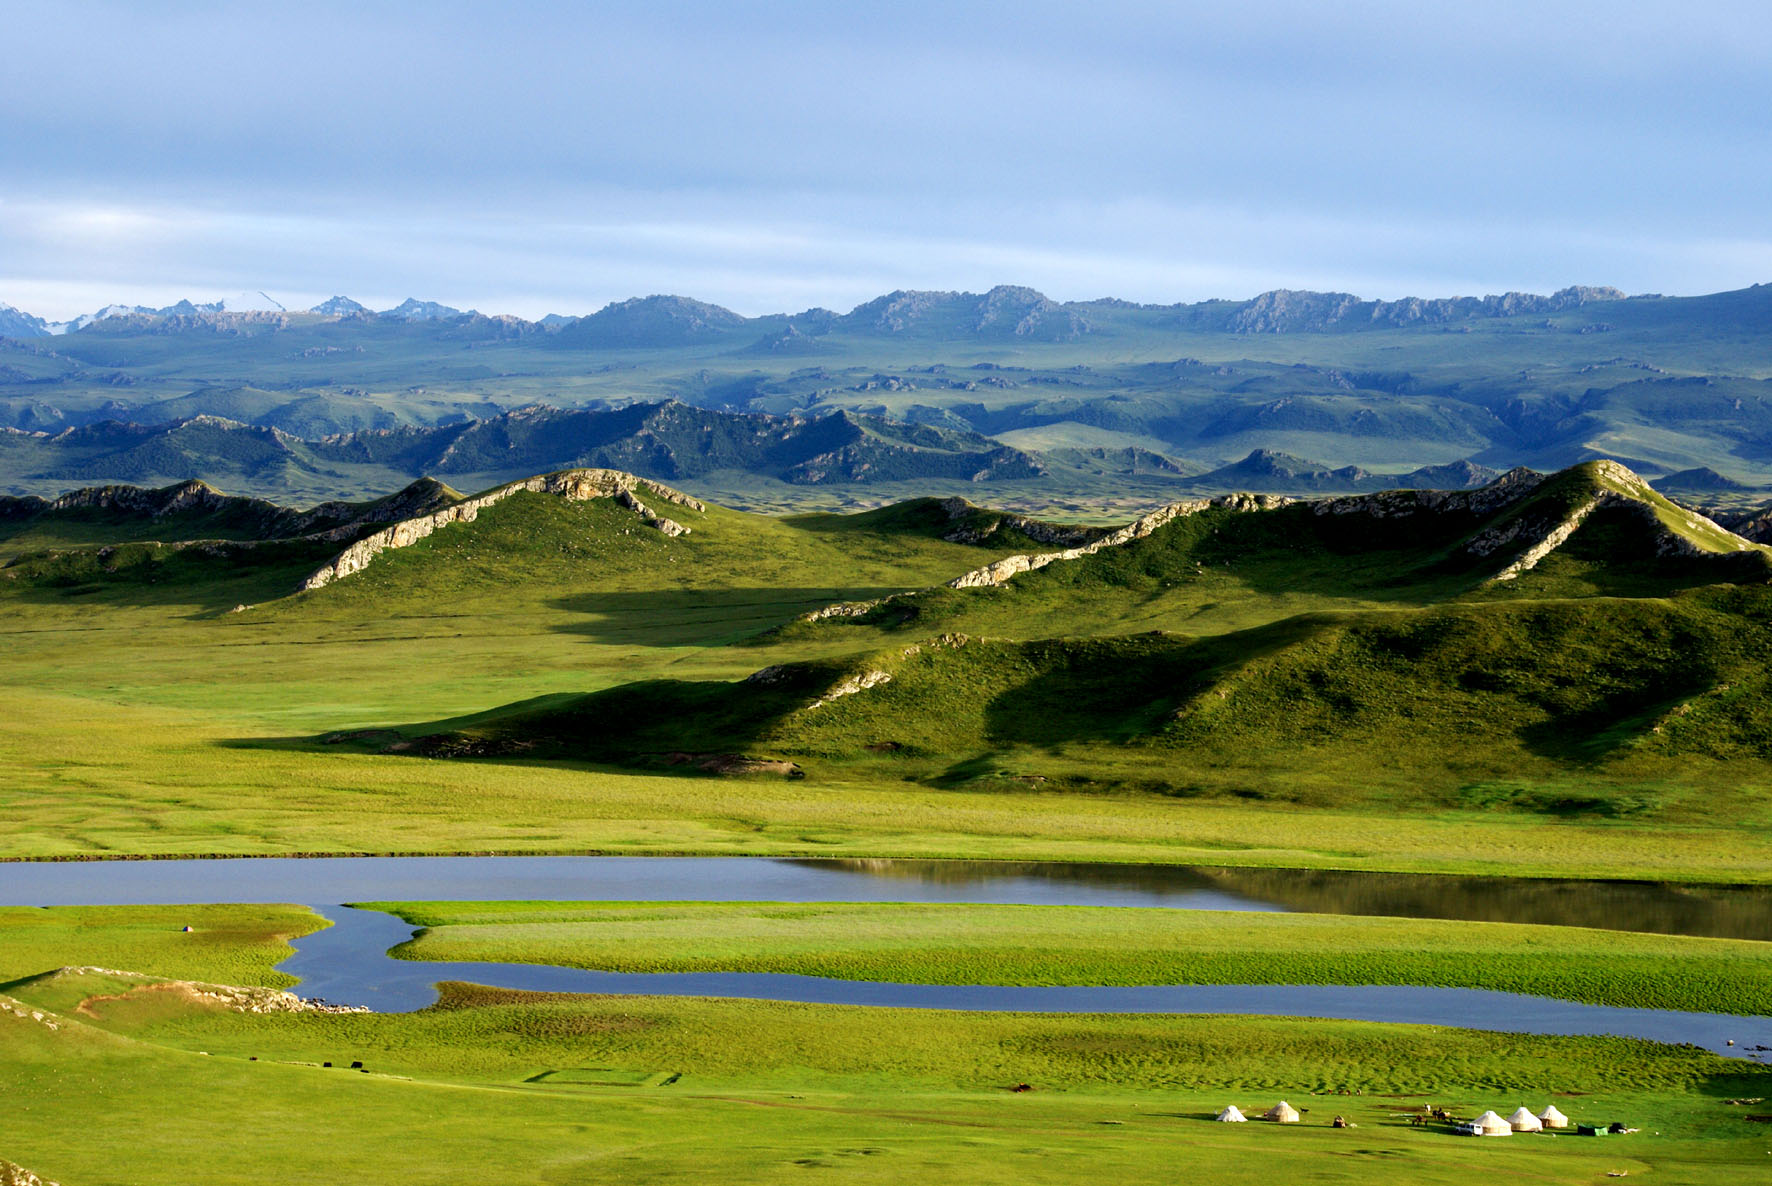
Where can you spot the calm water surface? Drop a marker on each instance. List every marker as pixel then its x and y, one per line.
pixel 348 962
pixel 1733 912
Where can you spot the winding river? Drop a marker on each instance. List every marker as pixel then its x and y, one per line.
pixel 348 963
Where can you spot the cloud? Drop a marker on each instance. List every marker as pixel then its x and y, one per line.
pixel 558 154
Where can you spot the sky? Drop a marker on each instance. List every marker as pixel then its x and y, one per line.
pixel 771 157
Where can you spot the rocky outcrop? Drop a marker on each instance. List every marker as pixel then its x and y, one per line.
pixel 669 526
pixel 1616 487
pixel 1509 488
pixel 136 500
pixel 574 485
pixel 18 1175
pixel 1287 311
pixel 1063 534
pixel 1010 566
pixel 850 685
pixel 236 998
pixel 1549 542
pixel 262 520
pixel 1000 571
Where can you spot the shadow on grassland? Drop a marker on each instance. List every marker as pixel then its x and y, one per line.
pixel 694 617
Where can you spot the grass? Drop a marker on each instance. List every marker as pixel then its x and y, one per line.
pixel 1610 707
pixel 1107 1100
pixel 141 717
pixel 558 1088
pixel 227 944
pixel 935 944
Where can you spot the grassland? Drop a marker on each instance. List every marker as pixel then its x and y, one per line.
pixel 1354 659
pixel 545 1088
pixel 938 944
pixel 142 717
pixel 1620 734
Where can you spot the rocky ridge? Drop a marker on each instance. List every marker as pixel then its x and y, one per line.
pixel 573 485
pixel 1065 534
pixel 1528 536
pixel 1000 571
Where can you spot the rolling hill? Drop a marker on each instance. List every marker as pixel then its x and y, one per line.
pixel 1548 644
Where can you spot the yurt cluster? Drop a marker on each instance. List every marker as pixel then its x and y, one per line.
pixel 1489 1124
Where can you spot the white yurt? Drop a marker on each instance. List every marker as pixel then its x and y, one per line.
pixel 1281 1113
pixel 1489 1125
pixel 1524 1121
pixel 1231 1116
pixel 1551 1118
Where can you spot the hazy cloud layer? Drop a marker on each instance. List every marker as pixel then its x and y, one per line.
pixel 773 156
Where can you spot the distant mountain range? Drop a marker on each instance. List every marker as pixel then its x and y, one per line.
pixel 667 442
pixel 1089 399
pixel 1006 311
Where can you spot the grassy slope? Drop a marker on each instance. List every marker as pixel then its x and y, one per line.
pixel 930 944
pixel 141 717
pixel 1613 706
pixel 546 1088
pixel 1581 686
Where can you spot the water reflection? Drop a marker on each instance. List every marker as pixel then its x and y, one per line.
pixel 1732 912
pixel 1721 912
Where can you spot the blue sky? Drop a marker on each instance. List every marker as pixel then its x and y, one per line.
pixel 769 157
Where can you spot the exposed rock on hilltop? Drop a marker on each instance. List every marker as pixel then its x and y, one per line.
pixel 576 485
pixel 976 525
pixel 1489 535
pixel 1286 311
pixel 18 1175
pixel 1010 566
pixel 1004 312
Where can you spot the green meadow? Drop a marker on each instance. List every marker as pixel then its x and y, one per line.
pixel 1342 723
pixel 1231 690
pixel 542 1088
pixel 978 944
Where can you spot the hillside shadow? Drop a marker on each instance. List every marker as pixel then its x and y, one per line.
pixel 200 585
pixel 693 617
pixel 1122 690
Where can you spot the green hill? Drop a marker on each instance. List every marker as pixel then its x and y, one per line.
pixel 1208 565
pixel 1550 644
pixel 1572 706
